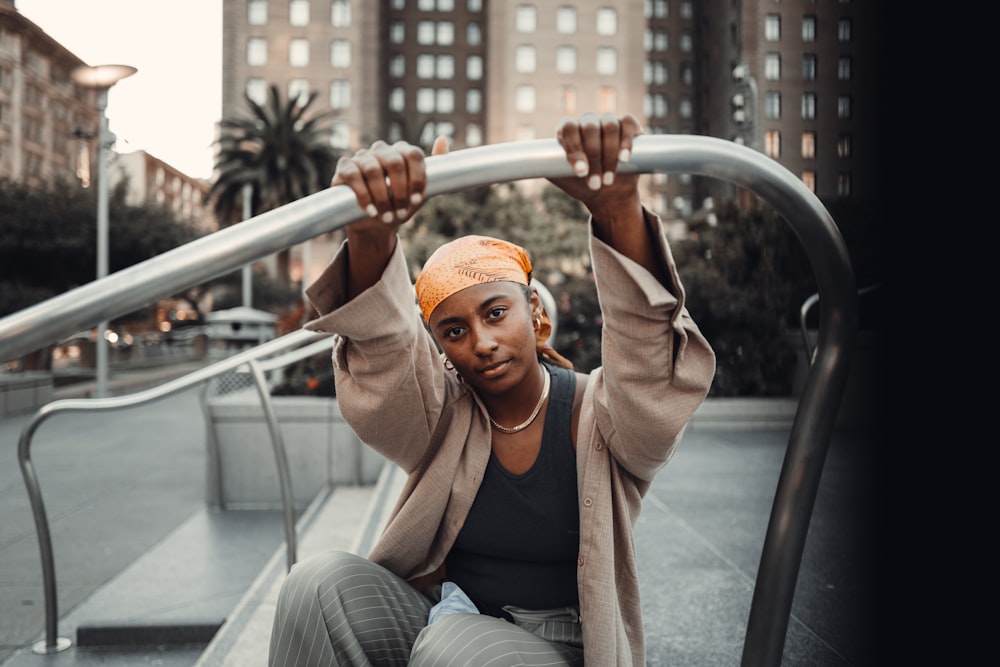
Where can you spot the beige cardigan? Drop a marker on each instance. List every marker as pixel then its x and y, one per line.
pixel 396 394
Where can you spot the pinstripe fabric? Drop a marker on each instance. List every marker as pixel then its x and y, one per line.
pixel 342 609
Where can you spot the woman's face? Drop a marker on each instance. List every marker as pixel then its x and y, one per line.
pixel 487 332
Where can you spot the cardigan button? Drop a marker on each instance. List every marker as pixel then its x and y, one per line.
pixel 599 446
pixel 587 502
pixel 579 561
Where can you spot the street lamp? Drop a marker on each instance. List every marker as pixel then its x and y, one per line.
pixel 101 78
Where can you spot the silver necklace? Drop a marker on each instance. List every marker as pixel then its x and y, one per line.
pixel 534 413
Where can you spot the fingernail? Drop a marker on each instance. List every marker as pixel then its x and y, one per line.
pixel 371 211
pixel 594 182
pixel 401 214
pixel 609 177
pixel 387 217
pixel 624 155
pixel 580 168
pixel 416 198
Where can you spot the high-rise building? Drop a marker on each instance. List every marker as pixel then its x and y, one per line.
pixel 794 79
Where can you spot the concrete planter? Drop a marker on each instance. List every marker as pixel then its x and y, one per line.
pixel 321 449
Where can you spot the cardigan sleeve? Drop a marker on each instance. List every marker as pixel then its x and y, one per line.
pixel 657 367
pixel 389 378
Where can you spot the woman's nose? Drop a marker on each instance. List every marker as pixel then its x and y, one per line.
pixel 484 343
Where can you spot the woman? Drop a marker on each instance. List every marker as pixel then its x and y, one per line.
pixel 511 543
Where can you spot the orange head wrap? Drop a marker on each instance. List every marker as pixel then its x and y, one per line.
pixel 474 260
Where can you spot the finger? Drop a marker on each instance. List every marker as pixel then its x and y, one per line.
pixel 590 136
pixel 396 180
pixel 568 134
pixel 349 173
pixel 416 170
pixel 631 128
pixel 440 146
pixel 610 143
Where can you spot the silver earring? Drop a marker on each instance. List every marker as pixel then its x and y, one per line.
pixel 448 365
pixel 538 322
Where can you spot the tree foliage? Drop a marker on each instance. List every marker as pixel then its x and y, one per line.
pixel 281 151
pixel 48 238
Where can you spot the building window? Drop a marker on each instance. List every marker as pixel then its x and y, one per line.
pixel 340 13
pixel 809 67
pixel 844 68
pixel 656 41
pixel 298 88
pixel 524 99
pixel 808 28
pixel 654 73
pixel 844 30
pixel 298 53
pixel 257 90
pixel 298 12
pixel 445 67
pixel 844 184
pixel 808 106
pixel 809 178
pixel 607 60
pixel 397 65
pixel 340 94
pixel 686 108
pixel 444 100
pixel 570 102
pixel 656 9
pixel 524 58
pixel 256 51
pixel 397 32
pixel 844 146
pixel 566 20
pixel 607 21
pixel 687 74
pixel 607 100
pixel 772 27
pixel 772 105
pixel 397 99
pixel 340 135
pixel 473 135
pixel 525 18
pixel 687 9
pixel 809 145
pixel 656 106
pixel 687 42
pixel 473 100
pixel 257 12
pixel 844 107
pixel 425 66
pixel 425 100
pixel 772 143
pixel 566 59
pixel 425 32
pixel 445 33
pixel 340 53
pixel 473 34
pixel 474 68
pixel 772 66
pixel 475 5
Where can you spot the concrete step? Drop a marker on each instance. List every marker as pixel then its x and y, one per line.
pixel 331 524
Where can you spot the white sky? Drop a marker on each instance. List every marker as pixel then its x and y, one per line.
pixel 169 107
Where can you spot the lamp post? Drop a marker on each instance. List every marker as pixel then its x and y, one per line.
pixel 101 78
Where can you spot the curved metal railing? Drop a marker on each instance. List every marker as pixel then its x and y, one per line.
pixel 252 358
pixel 231 248
pixel 807 307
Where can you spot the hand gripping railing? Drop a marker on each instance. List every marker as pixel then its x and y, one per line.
pixel 231 248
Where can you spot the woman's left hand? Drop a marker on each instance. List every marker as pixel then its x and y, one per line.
pixel 595 145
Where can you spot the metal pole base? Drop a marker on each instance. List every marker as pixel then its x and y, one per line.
pixel 42 648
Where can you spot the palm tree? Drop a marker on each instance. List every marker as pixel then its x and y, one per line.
pixel 279 152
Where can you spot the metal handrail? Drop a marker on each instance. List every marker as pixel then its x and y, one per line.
pixel 53 643
pixel 231 248
pixel 807 307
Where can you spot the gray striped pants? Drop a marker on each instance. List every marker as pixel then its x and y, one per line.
pixel 342 609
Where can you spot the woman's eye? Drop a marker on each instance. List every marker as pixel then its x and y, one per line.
pixel 496 313
pixel 453 332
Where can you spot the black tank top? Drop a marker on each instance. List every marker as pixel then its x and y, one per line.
pixel 520 542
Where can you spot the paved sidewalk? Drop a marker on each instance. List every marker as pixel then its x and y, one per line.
pixel 699 537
